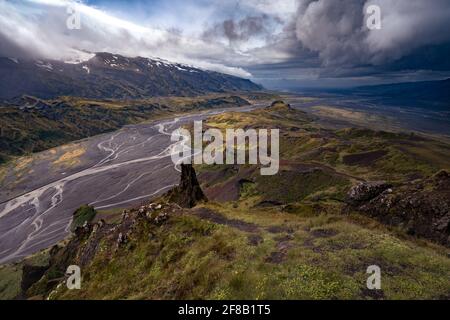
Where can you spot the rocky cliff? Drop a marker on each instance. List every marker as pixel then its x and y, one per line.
pixel 420 207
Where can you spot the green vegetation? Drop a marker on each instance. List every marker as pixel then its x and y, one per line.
pixel 11 275
pixel 108 215
pixel 354 153
pixel 291 186
pixel 295 256
pixel 82 215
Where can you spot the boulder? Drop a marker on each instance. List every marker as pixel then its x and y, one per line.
pixel 121 239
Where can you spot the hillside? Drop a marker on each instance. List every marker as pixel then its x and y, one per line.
pixel 108 75
pixel 336 207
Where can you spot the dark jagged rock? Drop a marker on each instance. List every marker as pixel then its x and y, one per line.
pixel 280 103
pixel 78 251
pixel 188 193
pixel 365 191
pixel 30 275
pixel 421 208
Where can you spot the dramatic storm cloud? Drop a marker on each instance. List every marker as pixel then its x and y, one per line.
pixel 337 30
pixel 287 42
pixel 413 43
pixel 243 30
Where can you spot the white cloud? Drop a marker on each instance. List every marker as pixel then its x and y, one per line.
pixel 39 28
pixel 323 34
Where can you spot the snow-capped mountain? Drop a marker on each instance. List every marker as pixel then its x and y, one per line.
pixel 107 75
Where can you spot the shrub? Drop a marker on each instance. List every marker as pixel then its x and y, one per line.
pixel 83 214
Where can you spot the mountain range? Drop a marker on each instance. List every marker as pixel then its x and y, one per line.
pixel 107 75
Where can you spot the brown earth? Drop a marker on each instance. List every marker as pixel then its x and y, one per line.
pixel 363 159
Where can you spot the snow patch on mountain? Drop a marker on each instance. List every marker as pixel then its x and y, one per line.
pixel 77 57
pixel 88 71
pixel 48 66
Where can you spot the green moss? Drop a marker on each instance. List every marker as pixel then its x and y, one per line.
pixel 11 275
pixel 82 215
pixel 292 186
pixel 10 278
pixel 248 189
pixel 327 258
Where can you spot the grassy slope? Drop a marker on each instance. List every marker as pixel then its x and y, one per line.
pixel 11 275
pixel 299 256
pixel 305 249
pixel 303 141
pixel 84 214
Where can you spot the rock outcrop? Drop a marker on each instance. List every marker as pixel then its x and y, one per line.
pixel 280 104
pixel 421 207
pixel 365 191
pixel 30 275
pixel 188 193
pixel 91 239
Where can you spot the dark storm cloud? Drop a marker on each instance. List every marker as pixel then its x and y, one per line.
pixel 329 42
pixel 243 29
pixel 337 30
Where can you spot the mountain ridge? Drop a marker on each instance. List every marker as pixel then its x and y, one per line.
pixel 108 75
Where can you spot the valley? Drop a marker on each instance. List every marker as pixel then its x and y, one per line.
pixel 298 215
pixel 309 232
pixel 109 171
pixel 225 150
pixel 343 110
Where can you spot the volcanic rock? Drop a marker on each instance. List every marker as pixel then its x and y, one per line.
pixel 188 193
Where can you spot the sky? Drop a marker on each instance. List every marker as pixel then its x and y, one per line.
pixel 284 44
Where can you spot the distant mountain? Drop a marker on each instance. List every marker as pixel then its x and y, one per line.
pixel 433 94
pixel 108 75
